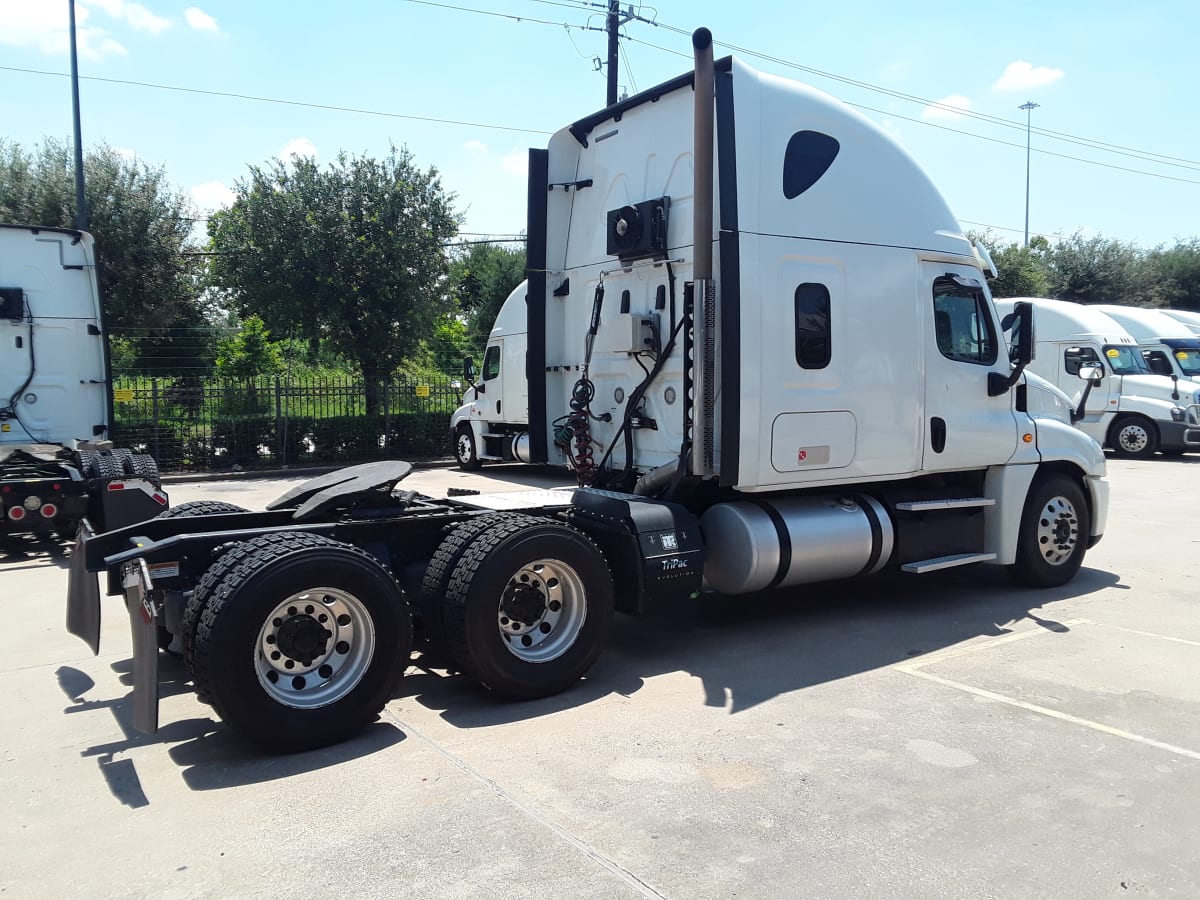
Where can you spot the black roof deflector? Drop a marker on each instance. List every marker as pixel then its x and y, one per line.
pixel 582 128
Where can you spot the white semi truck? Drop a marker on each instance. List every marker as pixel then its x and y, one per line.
pixel 493 421
pixel 1168 345
pixel 761 336
pixel 56 462
pixel 1131 410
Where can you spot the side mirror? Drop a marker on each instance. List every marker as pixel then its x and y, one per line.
pixel 1092 374
pixel 468 369
pixel 1023 333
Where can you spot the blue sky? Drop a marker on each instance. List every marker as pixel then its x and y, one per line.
pixel 1103 72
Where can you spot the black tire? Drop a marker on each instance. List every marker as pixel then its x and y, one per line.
pixel 87 464
pixel 1055 529
pixel 1133 437
pixel 200 508
pixel 191 612
pixel 142 465
pixel 497 584
pixel 465 450
pixel 431 599
pixel 259 595
pixel 125 458
pixel 108 468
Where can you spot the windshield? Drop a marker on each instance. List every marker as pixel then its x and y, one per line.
pixel 1125 360
pixel 1189 361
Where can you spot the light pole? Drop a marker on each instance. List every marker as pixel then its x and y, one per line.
pixel 81 216
pixel 1029 106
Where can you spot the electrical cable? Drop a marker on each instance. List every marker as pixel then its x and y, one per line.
pixel 12 401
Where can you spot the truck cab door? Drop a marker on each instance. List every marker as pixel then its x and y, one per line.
pixel 964 427
pixel 491 398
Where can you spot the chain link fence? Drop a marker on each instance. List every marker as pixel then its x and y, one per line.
pixel 208 423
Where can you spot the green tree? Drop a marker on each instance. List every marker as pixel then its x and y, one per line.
pixel 1021 270
pixel 141 226
pixel 249 352
pixel 1175 273
pixel 1098 270
pixel 352 253
pixel 483 278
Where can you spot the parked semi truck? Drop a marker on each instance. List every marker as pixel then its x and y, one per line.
pixel 493 421
pixel 759 332
pixel 56 462
pixel 1130 410
pixel 1168 345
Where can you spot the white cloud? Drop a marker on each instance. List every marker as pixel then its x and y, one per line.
pixel 301 146
pixel 138 16
pixel 200 20
pixel 212 195
pixel 1022 76
pixel 946 108
pixel 43 26
pixel 515 163
pixel 478 146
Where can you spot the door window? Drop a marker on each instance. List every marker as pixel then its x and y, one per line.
pixel 1075 357
pixel 491 363
pixel 962 324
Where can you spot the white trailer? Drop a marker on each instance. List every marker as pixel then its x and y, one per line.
pixel 1130 410
pixel 780 369
pixel 56 463
pixel 1168 345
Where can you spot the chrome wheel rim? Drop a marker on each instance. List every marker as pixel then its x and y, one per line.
pixel 314 648
pixel 542 610
pixel 466 451
pixel 1058 531
pixel 1133 438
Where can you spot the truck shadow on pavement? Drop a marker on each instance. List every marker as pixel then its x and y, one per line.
pixel 748 650
pixel 211 756
pixel 32 551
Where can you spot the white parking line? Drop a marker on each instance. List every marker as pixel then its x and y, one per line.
pixel 941 656
pixel 1052 713
pixel 1150 634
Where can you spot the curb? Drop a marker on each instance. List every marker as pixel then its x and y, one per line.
pixel 301 471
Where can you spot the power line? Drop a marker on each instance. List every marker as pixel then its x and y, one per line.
pixel 973 134
pixel 301 103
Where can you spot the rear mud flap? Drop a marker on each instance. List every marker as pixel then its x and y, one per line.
pixel 143 625
pixel 83 593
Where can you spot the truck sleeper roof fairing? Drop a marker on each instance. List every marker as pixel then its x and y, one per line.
pixel 1062 320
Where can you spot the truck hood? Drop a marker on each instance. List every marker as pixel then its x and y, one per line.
pixel 1159 387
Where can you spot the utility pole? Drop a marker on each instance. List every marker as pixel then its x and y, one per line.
pixel 612 25
pixel 81 216
pixel 1029 106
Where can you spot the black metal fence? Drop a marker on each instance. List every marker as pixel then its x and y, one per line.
pixel 210 423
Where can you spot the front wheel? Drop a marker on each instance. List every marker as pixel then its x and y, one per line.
pixel 465 450
pixel 302 640
pixel 1134 437
pixel 1055 529
pixel 528 607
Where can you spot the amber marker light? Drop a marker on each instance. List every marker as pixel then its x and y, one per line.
pixel 1027 438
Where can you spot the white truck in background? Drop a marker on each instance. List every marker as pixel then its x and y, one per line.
pixel 493 421
pixel 1168 345
pixel 56 462
pixel 1188 317
pixel 1129 409
pixel 781 369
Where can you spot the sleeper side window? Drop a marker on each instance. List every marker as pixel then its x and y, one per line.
pixel 814 339
pixel 962 324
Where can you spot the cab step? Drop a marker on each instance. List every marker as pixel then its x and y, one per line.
pixel 934 505
pixel 946 562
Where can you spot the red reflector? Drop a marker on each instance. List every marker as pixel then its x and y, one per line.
pixel 17 513
pixel 58 487
pixel 161 498
pixel 49 510
pixel 116 485
pixel 6 489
